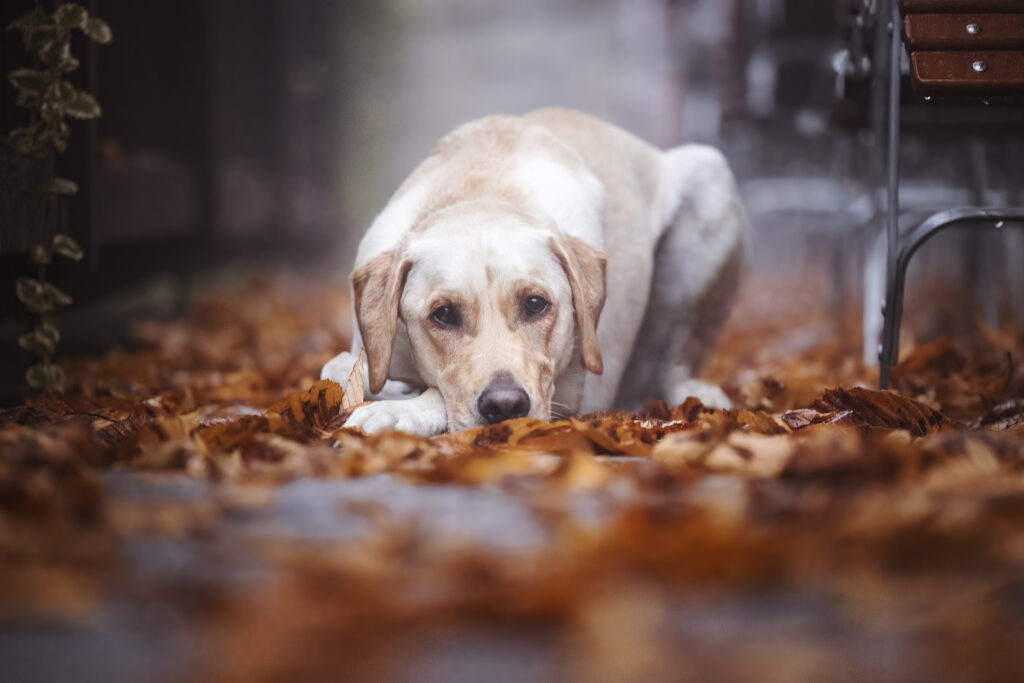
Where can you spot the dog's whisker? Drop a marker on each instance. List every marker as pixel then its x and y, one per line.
pixel 560 414
pixel 559 410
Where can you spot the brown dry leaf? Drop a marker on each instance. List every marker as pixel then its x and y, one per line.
pixel 309 415
pixel 173 454
pixel 1006 448
pixel 749 453
pixel 56 544
pixel 847 456
pixel 128 439
pixel 484 468
pixel 225 435
pixel 354 395
pixel 802 417
pixel 754 455
pixel 963 386
pixel 615 434
pixel 271 458
pixel 1005 415
pixel 686 448
pixel 759 422
pixel 870 408
pixel 868 497
pixel 363 454
pixel 581 471
pixel 762 393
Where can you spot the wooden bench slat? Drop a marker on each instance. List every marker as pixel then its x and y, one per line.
pixel 950 31
pixel 953 72
pixel 961 6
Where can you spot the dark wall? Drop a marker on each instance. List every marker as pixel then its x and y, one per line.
pixel 220 127
pixel 218 144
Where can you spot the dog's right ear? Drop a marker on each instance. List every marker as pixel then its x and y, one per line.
pixel 584 266
pixel 378 285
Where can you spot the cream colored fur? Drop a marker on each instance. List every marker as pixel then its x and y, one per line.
pixel 638 251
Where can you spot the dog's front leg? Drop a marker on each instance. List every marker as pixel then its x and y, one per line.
pixel 423 415
pixel 339 369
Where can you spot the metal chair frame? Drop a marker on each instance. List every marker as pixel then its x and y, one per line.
pixel 900 248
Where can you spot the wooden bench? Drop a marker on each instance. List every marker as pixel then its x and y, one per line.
pixel 964 48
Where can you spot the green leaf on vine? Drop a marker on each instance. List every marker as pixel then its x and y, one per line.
pixel 53 52
pixel 26 80
pixel 58 297
pixel 40 297
pixel 45 327
pixel 26 140
pixel 31 293
pixel 67 247
pixel 39 255
pixel 35 21
pixel 78 103
pixel 71 15
pixel 51 112
pixel 35 376
pixel 98 30
pixel 50 99
pixel 41 341
pixel 63 186
pixel 45 376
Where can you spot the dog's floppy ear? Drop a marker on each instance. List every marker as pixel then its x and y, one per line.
pixel 377 285
pixel 584 267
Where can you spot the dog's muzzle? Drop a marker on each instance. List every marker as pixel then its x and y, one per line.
pixel 503 400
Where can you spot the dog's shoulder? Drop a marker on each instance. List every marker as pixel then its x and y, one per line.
pixel 499 134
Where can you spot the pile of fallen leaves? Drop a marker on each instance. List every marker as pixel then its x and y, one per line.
pixel 901 512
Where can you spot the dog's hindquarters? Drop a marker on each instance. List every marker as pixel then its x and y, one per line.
pixel 698 261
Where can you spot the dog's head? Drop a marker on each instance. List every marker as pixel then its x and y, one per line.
pixel 496 306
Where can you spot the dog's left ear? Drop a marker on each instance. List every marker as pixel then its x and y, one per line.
pixel 584 266
pixel 378 285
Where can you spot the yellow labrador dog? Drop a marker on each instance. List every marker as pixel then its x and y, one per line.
pixel 542 266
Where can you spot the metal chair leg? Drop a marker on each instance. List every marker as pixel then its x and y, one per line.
pixel 890 328
pixel 908 246
pixel 892 225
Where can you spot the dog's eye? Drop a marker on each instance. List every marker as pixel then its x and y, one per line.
pixel 534 307
pixel 445 316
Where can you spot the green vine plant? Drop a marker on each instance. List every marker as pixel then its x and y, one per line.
pixel 49 98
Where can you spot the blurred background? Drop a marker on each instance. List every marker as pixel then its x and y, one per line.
pixel 237 134
pixel 184 506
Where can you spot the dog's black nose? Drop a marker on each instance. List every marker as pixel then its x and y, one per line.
pixel 503 401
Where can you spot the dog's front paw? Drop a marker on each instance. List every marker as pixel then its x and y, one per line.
pixel 711 395
pixel 423 415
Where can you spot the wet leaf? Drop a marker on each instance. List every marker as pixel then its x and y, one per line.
pixel 867 407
